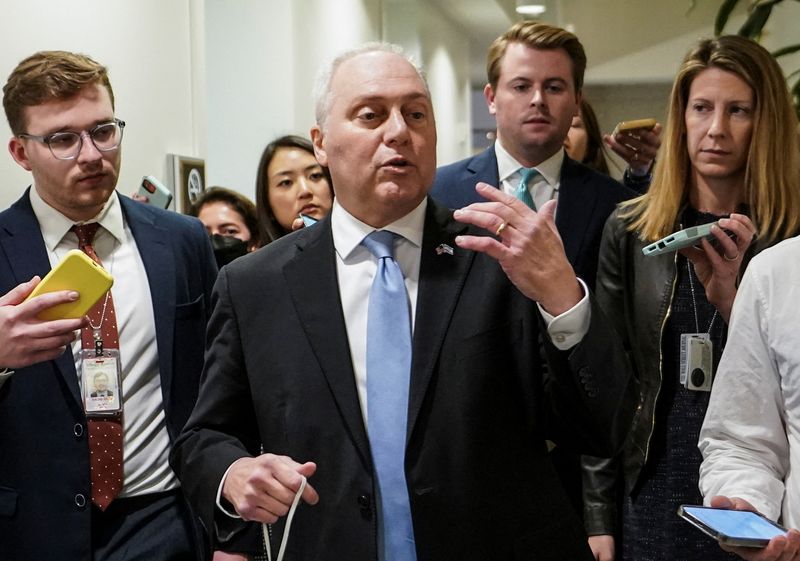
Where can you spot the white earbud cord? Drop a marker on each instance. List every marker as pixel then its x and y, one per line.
pixel 285 538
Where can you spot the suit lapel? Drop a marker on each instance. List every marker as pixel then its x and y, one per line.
pixel 577 199
pixel 21 240
pixel 312 282
pixel 152 242
pixel 484 168
pixel 441 279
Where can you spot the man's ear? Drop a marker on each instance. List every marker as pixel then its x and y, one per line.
pixel 18 152
pixel 317 139
pixel 578 99
pixel 488 93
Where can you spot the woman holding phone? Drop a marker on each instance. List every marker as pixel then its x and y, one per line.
pixel 730 156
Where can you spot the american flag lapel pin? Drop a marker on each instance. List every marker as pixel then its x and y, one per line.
pixel 444 248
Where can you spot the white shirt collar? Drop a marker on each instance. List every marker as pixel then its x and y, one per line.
pixel 550 169
pixel 349 231
pixel 54 225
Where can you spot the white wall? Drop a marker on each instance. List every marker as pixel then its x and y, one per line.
pixel 250 86
pixel 445 56
pixel 262 58
pixel 147 47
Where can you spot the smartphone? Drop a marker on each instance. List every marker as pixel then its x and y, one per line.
pixel 76 271
pixel 626 126
pixel 157 194
pixel 732 527
pixel 680 239
pixel 308 220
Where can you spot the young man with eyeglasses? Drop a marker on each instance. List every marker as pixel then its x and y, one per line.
pixel 65 492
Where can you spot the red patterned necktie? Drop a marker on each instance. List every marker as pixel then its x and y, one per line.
pixel 105 433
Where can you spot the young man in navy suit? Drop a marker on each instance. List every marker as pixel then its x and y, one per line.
pixel 56 500
pixel 298 362
pixel 535 74
pixel 535 77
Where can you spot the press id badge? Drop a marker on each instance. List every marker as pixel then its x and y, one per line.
pixel 696 366
pixel 102 380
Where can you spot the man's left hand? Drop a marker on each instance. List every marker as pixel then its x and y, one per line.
pixel 526 245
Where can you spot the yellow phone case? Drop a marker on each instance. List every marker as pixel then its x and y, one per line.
pixel 76 271
pixel 647 124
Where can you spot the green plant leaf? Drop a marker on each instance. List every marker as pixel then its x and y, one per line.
pixel 723 14
pixel 786 50
pixel 758 17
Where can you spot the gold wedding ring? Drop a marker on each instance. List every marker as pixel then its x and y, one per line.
pixel 500 228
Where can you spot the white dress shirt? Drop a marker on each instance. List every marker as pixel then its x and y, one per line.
pixel 750 438
pixel 543 188
pixel 146 443
pixel 355 269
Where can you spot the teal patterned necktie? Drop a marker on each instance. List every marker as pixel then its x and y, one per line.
pixel 523 194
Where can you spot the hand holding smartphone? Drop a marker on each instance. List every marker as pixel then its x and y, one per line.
pixel 738 528
pixel 631 126
pixel 684 238
pixel 156 193
pixel 76 271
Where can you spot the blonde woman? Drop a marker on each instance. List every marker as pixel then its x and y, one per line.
pixel 730 156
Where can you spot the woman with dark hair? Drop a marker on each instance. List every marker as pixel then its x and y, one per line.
pixel 584 142
pixel 230 219
pixel 290 182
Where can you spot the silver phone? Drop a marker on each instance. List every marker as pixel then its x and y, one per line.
pixel 678 240
pixel 732 527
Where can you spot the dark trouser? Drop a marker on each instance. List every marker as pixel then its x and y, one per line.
pixel 153 527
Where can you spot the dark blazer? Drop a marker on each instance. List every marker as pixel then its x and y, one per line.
pixel 278 372
pixel 45 505
pixel 585 199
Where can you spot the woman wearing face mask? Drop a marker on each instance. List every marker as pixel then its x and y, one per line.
pixel 730 156
pixel 230 219
pixel 290 182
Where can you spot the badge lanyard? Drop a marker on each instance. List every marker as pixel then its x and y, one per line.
pixel 696 349
pixel 99 368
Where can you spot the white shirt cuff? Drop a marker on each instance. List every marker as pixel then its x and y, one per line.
pixel 568 329
pixel 219 494
pixel 5 374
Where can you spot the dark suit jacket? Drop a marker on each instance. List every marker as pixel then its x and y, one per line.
pixel 278 372
pixel 586 198
pixel 44 463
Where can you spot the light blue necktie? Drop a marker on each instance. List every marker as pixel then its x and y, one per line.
pixel 388 375
pixel 523 194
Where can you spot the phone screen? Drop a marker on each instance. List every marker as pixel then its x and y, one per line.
pixel 737 524
pixel 308 220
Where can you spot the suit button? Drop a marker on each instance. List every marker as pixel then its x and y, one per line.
pixel 364 501
pixel 80 501
pixel 77 430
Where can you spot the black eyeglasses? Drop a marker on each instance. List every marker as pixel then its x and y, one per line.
pixel 67 145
